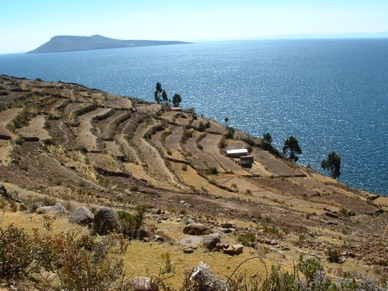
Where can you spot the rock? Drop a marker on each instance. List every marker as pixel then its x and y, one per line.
pixel 188 250
pixel 379 211
pixel 190 221
pixel 228 230
pixel 228 224
pixel 57 209
pixel 332 214
pixel 22 207
pixel 191 241
pixel 234 249
pixel 210 241
pixel 42 209
pixel 159 238
pixel 81 215
pixel 105 220
pixel 4 192
pixel 330 222
pixel 196 229
pixel 142 284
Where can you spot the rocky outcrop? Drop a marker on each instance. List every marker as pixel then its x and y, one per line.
pixel 57 209
pixel 210 241
pixel 106 220
pixel 81 215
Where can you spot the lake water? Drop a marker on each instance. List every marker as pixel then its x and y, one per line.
pixel 329 94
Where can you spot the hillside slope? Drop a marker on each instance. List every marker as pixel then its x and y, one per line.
pixel 80 144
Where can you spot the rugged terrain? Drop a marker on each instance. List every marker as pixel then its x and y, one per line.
pixel 89 147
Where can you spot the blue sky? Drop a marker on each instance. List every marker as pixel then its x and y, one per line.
pixel 26 24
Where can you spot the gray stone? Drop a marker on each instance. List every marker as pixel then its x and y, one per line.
pixel 81 215
pixel 58 209
pixel 210 241
pixel 142 284
pixel 191 241
pixel 190 221
pixel 106 220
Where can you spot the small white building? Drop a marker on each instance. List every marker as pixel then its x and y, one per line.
pixel 237 153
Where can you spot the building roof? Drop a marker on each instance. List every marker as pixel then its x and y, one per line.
pixel 237 151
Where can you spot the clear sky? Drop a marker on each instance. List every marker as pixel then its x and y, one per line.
pixel 26 24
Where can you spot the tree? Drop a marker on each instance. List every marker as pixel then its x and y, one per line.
pixel 158 92
pixel 176 100
pixel 291 148
pixel 226 119
pixel 332 164
pixel 267 138
pixel 157 98
pixel 164 96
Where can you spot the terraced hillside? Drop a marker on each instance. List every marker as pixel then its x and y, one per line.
pixel 69 141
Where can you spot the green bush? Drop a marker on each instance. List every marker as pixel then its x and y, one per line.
pixel 132 223
pixel 247 239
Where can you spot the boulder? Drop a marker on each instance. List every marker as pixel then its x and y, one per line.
pixel 191 241
pixel 106 220
pixel 58 209
pixel 229 224
pixel 81 215
pixel 142 284
pixel 196 229
pixel 210 241
pixel 234 249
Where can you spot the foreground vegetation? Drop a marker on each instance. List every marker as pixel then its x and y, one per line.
pixel 69 261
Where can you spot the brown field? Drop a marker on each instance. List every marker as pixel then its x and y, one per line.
pixel 86 147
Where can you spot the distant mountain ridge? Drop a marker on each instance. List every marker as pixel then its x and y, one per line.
pixel 67 43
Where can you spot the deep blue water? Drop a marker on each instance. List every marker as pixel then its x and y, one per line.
pixel 329 94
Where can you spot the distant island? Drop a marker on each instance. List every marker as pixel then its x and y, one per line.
pixel 67 43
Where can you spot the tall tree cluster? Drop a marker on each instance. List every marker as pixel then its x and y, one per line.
pixel 160 96
pixel 332 164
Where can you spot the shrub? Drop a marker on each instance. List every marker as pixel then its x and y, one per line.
pixel 230 134
pixel 333 256
pixel 16 252
pixel 212 171
pixel 246 239
pixel 167 263
pixel 132 223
